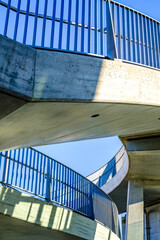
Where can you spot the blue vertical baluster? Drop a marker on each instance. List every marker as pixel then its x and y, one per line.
pixel 59 184
pixel 154 63
pixel 134 57
pixel 13 168
pixel 157 45
pixel 18 158
pixel 142 39
pixel 21 168
pixel 44 23
pixel 71 182
pixel 95 25
pixel 124 32
pixel 75 206
pixel 119 32
pixel 147 60
pixel 25 170
pixel 37 174
pixel 158 36
pixel 36 154
pixel 65 185
pixel 67 182
pixel 35 23
pixel 40 174
pixel 7 17
pixel 129 36
pixel 149 49
pixel 26 22
pixel 69 24
pixel 90 201
pixel 51 178
pixel 29 169
pixel 150 52
pixel 70 189
pixel 77 192
pixel 62 192
pixel 1 166
pixel 61 25
pixel 17 20
pixel 56 190
pixel 5 169
pixel 101 27
pixel 76 27
pixel 8 168
pixel 43 175
pixel 33 182
pixel 138 38
pixel 73 190
pixel 82 28
pixel 53 24
pixel 84 207
pixel 89 26
pixel 48 190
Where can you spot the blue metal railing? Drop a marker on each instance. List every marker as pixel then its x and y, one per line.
pixel 101 27
pixel 105 174
pixel 37 174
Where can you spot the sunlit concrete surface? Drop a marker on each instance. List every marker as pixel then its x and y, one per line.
pixel 22 210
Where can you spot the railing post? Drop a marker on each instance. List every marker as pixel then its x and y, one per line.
pixel 5 168
pixel 111 43
pixel 48 181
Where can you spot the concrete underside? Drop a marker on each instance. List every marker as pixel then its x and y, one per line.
pixel 52 96
pixel 38 123
pixel 14 229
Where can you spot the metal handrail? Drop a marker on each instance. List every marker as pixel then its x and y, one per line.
pixel 35 173
pixel 99 27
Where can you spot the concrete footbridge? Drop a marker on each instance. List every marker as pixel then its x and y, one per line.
pixel 76 70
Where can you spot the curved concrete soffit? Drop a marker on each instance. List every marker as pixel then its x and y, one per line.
pixel 110 176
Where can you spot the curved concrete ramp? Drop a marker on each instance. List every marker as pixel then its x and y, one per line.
pixel 110 176
pixel 30 217
pixel 51 97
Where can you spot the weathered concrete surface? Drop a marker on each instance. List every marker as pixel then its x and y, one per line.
pixel 57 222
pixel 61 92
pixel 143 166
pixel 49 75
pixel 153 222
pixel 135 211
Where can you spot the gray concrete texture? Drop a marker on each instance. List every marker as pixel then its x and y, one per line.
pixel 23 217
pixel 54 94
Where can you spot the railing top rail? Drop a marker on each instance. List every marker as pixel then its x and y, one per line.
pixel 58 19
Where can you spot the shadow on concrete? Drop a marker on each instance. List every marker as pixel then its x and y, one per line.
pixel 29 215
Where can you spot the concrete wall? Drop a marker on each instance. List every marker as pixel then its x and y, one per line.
pixel 30 210
pixel 153 222
pixel 49 75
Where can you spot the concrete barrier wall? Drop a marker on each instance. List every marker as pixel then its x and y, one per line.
pixel 30 210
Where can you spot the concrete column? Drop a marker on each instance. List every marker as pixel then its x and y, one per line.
pixel 135 211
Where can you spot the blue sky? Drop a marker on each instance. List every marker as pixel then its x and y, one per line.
pixel 151 8
pixel 87 156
